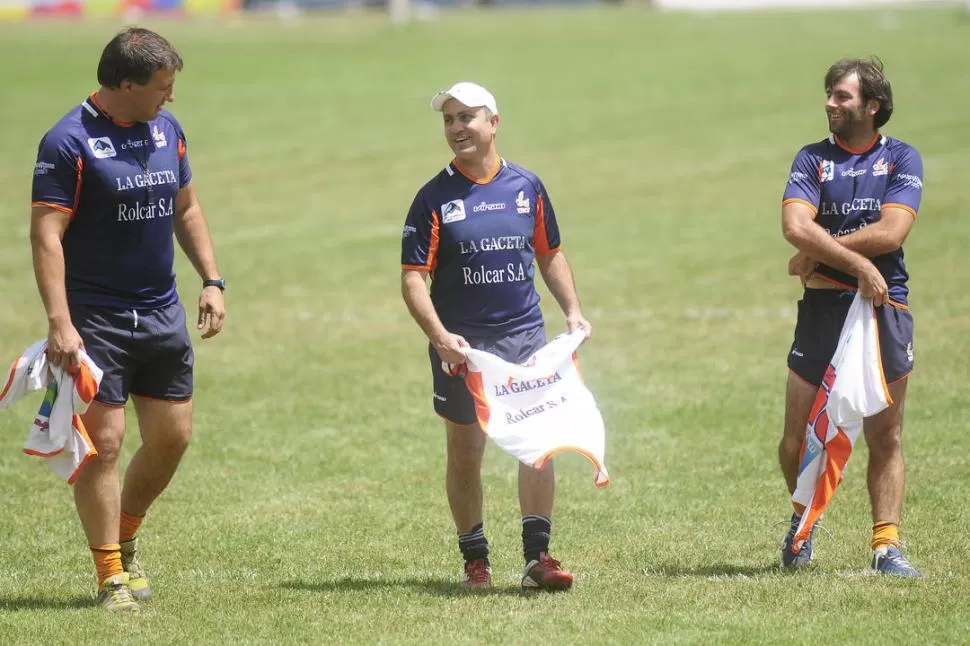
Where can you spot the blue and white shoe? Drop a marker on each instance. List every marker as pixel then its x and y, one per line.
pixel 888 560
pixel 788 558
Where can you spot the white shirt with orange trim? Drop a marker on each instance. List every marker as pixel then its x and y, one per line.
pixel 536 410
pixel 854 387
pixel 57 433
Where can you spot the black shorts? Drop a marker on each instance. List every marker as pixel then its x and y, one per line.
pixel 142 352
pixel 821 314
pixel 451 397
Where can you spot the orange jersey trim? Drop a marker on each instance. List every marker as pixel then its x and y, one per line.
pixel 485 180
pixel 832 281
pixel 117 122
pixel 56 207
pixel 181 149
pixel 894 205
pixel 798 200
pixel 539 239
pixel 858 151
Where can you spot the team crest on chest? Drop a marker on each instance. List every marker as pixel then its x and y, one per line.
pixel 880 167
pixel 159 137
pixel 102 147
pixel 522 204
pixel 452 211
pixel 826 170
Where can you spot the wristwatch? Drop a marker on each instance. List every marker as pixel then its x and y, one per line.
pixel 215 282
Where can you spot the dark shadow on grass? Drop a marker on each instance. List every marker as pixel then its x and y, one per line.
pixel 716 570
pixel 21 604
pixel 435 587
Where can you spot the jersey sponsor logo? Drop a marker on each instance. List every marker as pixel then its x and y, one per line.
pixel 514 387
pixel 408 230
pixel 910 355
pixel 854 172
pixel 856 205
pixel 154 178
pixel 880 168
pixel 796 176
pixel 452 211
pixel 498 243
pixel 482 275
pixel 911 181
pixel 164 207
pixel 102 147
pixel 522 204
pixel 159 137
pixel 42 167
pixel 826 171
pixel 484 206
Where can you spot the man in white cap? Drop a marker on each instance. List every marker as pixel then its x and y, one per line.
pixel 476 228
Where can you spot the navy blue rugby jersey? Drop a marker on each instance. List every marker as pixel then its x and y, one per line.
pixel 478 240
pixel 118 182
pixel 848 188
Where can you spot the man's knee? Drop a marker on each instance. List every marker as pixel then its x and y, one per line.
pixel 884 440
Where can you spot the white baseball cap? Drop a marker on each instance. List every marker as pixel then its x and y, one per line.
pixel 470 94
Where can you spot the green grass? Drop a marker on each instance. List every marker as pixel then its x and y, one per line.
pixel 311 508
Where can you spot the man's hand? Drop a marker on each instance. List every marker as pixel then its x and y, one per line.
pixel 448 348
pixel 872 284
pixel 576 321
pixel 802 266
pixel 212 311
pixel 64 345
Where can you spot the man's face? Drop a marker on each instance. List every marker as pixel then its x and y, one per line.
pixel 846 112
pixel 146 101
pixel 469 131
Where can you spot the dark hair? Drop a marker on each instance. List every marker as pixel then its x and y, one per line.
pixel 872 82
pixel 135 54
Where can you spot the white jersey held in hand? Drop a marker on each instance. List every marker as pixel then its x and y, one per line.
pixel 854 387
pixel 536 410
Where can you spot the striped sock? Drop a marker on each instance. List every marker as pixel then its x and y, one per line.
pixel 129 526
pixel 107 561
pixel 473 544
pixel 885 534
pixel 536 533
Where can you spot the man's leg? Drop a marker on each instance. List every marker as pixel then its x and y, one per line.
pixel 799 399
pixel 886 479
pixel 165 428
pixel 536 494
pixel 463 481
pixel 97 495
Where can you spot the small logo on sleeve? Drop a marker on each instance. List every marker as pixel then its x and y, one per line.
pixel 452 211
pixel 102 147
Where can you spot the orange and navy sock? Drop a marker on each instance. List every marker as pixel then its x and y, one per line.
pixel 107 561
pixel 885 534
pixel 129 526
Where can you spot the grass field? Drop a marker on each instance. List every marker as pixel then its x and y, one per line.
pixel 311 506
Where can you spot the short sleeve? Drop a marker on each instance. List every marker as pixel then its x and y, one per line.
pixel 419 240
pixel 545 238
pixel 803 181
pixel 905 188
pixel 57 173
pixel 185 170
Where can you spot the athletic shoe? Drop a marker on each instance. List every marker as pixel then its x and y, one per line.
pixel 788 558
pixel 478 575
pixel 137 579
pixel 546 574
pixel 114 595
pixel 888 560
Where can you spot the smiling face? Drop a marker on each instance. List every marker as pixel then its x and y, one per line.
pixel 470 132
pixel 848 115
pixel 144 102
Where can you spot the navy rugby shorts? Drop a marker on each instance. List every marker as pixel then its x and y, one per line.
pixel 821 314
pixel 451 397
pixel 142 352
